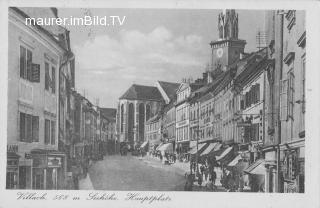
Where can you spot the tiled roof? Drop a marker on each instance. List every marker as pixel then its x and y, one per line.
pixel 170 88
pixel 142 92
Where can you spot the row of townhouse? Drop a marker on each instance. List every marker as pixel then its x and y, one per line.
pixel 245 116
pixel 46 117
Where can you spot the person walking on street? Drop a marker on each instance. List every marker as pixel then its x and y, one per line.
pixel 213 177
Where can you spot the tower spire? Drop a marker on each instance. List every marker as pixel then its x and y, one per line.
pixel 228 24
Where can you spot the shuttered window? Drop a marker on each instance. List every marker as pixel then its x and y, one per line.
pixel 22 127
pixel 284 100
pixel 29 65
pixel 35 73
pixel 29 128
pixel 53 133
pixel 47 76
pixel 35 128
pixel 47 131
pixel 303 106
pixel 25 63
pixel 291 95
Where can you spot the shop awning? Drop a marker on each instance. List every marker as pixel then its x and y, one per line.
pixel 158 147
pixel 235 161
pixel 224 154
pixel 168 147
pixel 194 149
pixel 256 168
pixel 209 149
pixel 144 144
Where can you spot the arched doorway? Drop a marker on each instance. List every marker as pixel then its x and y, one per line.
pixel 141 122
pixel 131 124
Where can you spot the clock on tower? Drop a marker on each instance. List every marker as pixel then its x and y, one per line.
pixel 227 49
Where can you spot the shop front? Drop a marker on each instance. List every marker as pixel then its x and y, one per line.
pixel 12 180
pixel 48 169
pixel 293 164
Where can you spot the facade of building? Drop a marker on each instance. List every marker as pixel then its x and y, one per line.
pixel 35 57
pixel 182 116
pixel 136 106
pixel 153 130
pixel 292 102
pixel 108 139
pixel 286 104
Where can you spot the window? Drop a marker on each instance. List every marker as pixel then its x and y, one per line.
pixel 284 100
pixel 303 105
pixel 50 78
pixel 49 132
pixel 25 63
pixel 47 76
pixel 291 94
pixel 53 82
pixel 53 133
pixel 29 128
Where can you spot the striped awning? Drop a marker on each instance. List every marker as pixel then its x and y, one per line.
pixel 168 147
pixel 194 149
pixel 144 144
pixel 211 148
pixel 256 168
pixel 235 161
pixel 224 154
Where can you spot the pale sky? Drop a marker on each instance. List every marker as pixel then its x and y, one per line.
pixel 151 45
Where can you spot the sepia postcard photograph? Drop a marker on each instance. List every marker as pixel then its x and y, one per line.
pixel 156 100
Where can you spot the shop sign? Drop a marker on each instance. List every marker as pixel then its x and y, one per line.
pixel 182 123
pixel 12 148
pixel 243 124
pixel 54 161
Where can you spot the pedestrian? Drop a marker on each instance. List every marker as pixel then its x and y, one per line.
pixel 199 179
pixel 202 170
pixel 213 177
pixel 206 173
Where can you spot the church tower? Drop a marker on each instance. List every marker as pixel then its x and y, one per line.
pixel 227 49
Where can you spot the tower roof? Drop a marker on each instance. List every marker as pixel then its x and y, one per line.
pixel 142 92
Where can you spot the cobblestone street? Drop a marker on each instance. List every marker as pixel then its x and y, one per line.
pixel 130 173
pixel 136 173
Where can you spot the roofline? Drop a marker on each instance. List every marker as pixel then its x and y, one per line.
pixel 19 11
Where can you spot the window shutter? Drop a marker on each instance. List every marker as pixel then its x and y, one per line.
pixel 29 65
pixel 35 128
pixel 53 133
pixel 35 73
pixel 284 100
pixel 47 76
pixel 22 127
pixel 258 92
pixel 29 127
pixel 47 131
pixel 22 61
